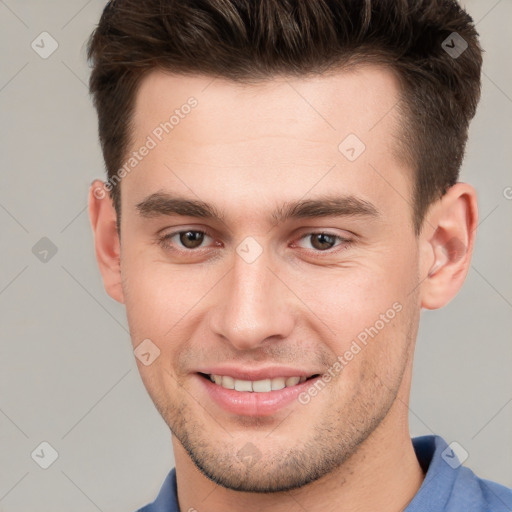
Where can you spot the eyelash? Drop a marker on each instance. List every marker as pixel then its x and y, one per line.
pixel 164 240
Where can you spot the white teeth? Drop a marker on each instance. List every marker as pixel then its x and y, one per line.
pixel 262 386
pixel 228 382
pixel 278 383
pixel 292 381
pixel 243 385
pixel 258 386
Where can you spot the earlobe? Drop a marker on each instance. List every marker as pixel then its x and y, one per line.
pixel 449 245
pixel 106 239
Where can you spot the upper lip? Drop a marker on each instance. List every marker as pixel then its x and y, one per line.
pixel 254 374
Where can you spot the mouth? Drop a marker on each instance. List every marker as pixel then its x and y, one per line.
pixel 255 398
pixel 256 386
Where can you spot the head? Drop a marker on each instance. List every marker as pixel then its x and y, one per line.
pixel 283 199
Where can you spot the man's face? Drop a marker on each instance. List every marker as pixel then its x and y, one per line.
pixel 262 295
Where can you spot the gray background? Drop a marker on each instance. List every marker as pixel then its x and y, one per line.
pixel 68 375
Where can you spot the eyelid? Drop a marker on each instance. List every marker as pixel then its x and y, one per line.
pixel 163 240
pixel 344 241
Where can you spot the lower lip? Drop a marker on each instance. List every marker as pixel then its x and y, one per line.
pixel 249 403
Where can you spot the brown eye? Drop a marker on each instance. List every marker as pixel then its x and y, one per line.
pixel 187 240
pixel 191 239
pixel 322 241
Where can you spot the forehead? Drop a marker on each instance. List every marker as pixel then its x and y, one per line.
pixel 331 104
pixel 284 131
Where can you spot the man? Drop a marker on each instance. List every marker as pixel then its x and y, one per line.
pixel 282 201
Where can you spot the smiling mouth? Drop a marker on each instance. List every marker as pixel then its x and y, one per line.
pixel 256 386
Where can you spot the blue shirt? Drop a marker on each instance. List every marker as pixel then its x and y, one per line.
pixel 447 487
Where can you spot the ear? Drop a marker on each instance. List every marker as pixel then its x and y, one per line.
pixel 447 241
pixel 104 225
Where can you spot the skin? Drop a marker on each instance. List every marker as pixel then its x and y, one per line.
pixel 247 149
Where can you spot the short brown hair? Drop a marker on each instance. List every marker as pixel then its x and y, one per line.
pixel 246 40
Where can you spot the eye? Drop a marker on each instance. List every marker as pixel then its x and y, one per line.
pixel 321 241
pixel 189 239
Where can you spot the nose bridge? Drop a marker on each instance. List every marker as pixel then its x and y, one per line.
pixel 254 305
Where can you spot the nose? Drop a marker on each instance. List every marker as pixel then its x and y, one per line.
pixel 254 306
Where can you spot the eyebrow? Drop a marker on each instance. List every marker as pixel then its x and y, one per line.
pixel 162 203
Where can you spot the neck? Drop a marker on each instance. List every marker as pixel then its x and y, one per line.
pixel 383 474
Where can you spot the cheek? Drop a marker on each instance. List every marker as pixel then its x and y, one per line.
pixel 151 296
pixel 161 299
pixel 368 310
pixel 351 300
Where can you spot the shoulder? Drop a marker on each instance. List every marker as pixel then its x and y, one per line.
pixel 450 487
pixel 167 499
pixel 470 490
